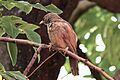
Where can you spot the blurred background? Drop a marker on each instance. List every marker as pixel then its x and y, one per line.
pixel 99 32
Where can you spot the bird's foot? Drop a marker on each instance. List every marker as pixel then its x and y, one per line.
pixel 66 49
pixel 50 46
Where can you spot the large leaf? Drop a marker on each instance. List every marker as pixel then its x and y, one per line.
pixel 9 27
pixel 12 50
pixel 54 9
pixel 9 24
pixel 33 36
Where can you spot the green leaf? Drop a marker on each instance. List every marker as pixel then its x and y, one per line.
pixel 39 6
pixel 15 19
pixel 1 32
pixel 28 26
pixel 2 68
pixel 19 75
pixel 7 77
pixel 24 6
pixel 8 26
pixel 16 75
pixel 13 75
pixel 54 9
pixel 33 36
pixel 27 7
pixel 67 65
pixel 8 4
pixel 12 50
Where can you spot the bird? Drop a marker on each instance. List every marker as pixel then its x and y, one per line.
pixel 62 35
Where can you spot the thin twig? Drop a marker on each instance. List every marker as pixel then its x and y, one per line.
pixel 42 64
pixel 85 61
pixel 32 60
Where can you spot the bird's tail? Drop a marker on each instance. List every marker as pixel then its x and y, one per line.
pixel 74 66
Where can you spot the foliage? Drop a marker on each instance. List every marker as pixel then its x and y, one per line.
pixel 27 7
pixel 11 75
pixel 105 25
pixel 12 26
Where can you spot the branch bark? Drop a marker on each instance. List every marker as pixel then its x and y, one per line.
pixel 69 53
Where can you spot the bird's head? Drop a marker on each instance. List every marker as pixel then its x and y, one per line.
pixel 49 18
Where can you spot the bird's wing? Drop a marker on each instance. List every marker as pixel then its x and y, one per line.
pixel 70 39
pixel 68 35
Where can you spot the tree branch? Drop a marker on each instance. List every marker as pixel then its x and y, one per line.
pixel 85 61
pixel 33 59
pixel 19 41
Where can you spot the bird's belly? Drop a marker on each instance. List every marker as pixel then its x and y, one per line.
pixel 56 39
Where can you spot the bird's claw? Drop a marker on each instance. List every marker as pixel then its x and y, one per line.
pixel 66 49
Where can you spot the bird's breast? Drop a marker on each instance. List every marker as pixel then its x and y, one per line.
pixel 56 38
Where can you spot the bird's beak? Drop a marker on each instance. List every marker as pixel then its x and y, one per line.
pixel 41 22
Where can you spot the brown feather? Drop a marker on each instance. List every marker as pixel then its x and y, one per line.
pixel 62 35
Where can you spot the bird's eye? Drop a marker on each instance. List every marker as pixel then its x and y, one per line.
pixel 48 20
